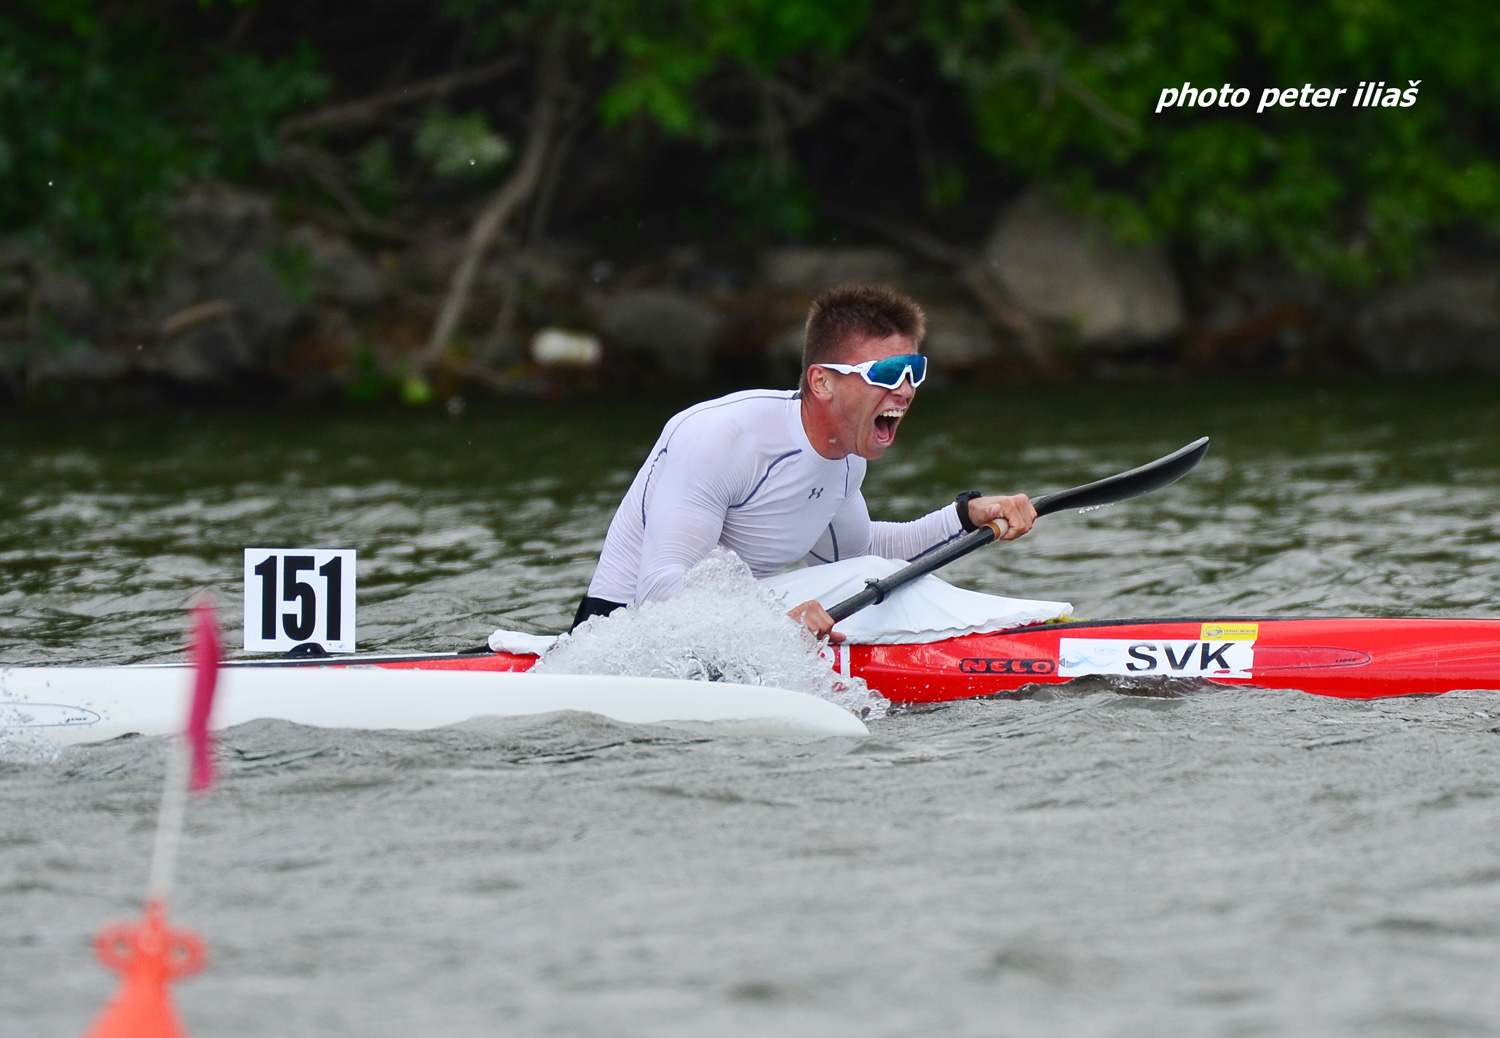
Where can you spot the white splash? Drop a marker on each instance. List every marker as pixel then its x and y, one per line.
pixel 23 726
pixel 23 746
pixel 723 627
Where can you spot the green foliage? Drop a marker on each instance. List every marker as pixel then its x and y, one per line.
pixel 663 50
pixel 1066 92
pixel 945 185
pixel 107 109
pixel 86 161
pixel 460 145
pixel 763 203
pixel 664 57
pixel 244 97
pixel 369 382
pixel 377 178
pixel 294 269
pixel 416 391
pixel 106 114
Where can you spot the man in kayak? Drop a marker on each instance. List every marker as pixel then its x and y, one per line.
pixel 775 475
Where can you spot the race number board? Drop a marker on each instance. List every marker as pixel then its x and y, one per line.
pixel 298 595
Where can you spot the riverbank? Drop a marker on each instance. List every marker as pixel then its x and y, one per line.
pixel 262 299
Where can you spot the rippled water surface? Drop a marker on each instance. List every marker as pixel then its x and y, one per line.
pixel 1088 863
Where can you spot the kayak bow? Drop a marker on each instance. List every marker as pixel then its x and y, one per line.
pixel 87 704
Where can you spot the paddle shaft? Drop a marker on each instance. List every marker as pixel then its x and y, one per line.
pixel 1119 487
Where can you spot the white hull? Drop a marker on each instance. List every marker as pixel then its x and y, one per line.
pixel 70 705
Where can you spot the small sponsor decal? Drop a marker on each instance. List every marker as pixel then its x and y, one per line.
pixel 15 714
pixel 1205 657
pixel 1230 632
pixel 974 665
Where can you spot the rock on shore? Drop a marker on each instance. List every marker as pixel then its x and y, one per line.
pixel 252 296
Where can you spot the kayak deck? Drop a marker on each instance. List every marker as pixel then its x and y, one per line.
pixel 1346 658
pixel 1350 658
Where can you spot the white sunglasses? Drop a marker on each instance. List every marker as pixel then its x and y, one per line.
pixel 887 372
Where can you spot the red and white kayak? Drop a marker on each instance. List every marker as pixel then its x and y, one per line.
pixel 1353 658
pixel 1347 658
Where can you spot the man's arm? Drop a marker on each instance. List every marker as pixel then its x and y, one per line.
pixel 691 489
pixel 853 533
pixel 969 511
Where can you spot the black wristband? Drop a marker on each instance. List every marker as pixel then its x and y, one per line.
pixel 961 503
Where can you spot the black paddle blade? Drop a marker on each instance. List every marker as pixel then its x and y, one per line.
pixel 1124 485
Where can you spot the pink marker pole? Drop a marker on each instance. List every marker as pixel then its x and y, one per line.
pixel 150 954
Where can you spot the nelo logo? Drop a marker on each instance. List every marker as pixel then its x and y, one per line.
pixel 1007 666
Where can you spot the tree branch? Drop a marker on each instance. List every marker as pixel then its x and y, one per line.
pixel 1053 76
pixel 511 196
pixel 500 345
pixel 323 169
pixel 368 109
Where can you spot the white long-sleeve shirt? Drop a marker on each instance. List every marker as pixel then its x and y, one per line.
pixel 739 471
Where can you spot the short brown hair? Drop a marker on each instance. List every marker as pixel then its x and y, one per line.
pixel 857 311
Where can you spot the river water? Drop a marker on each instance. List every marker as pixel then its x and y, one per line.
pixel 1083 863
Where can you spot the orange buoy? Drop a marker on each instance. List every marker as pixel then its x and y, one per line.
pixel 148 955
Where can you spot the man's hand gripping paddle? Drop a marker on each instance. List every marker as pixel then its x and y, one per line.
pixel 1151 476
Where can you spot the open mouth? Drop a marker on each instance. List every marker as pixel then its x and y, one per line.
pixel 885 426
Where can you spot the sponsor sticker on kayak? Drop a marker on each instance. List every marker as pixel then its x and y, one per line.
pixel 15 714
pixel 1229 632
pixel 1223 657
pixel 979 665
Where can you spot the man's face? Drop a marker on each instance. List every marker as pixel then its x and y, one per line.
pixel 863 417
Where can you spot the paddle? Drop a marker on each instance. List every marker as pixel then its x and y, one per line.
pixel 1151 476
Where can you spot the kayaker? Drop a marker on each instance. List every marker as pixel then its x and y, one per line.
pixel 774 475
